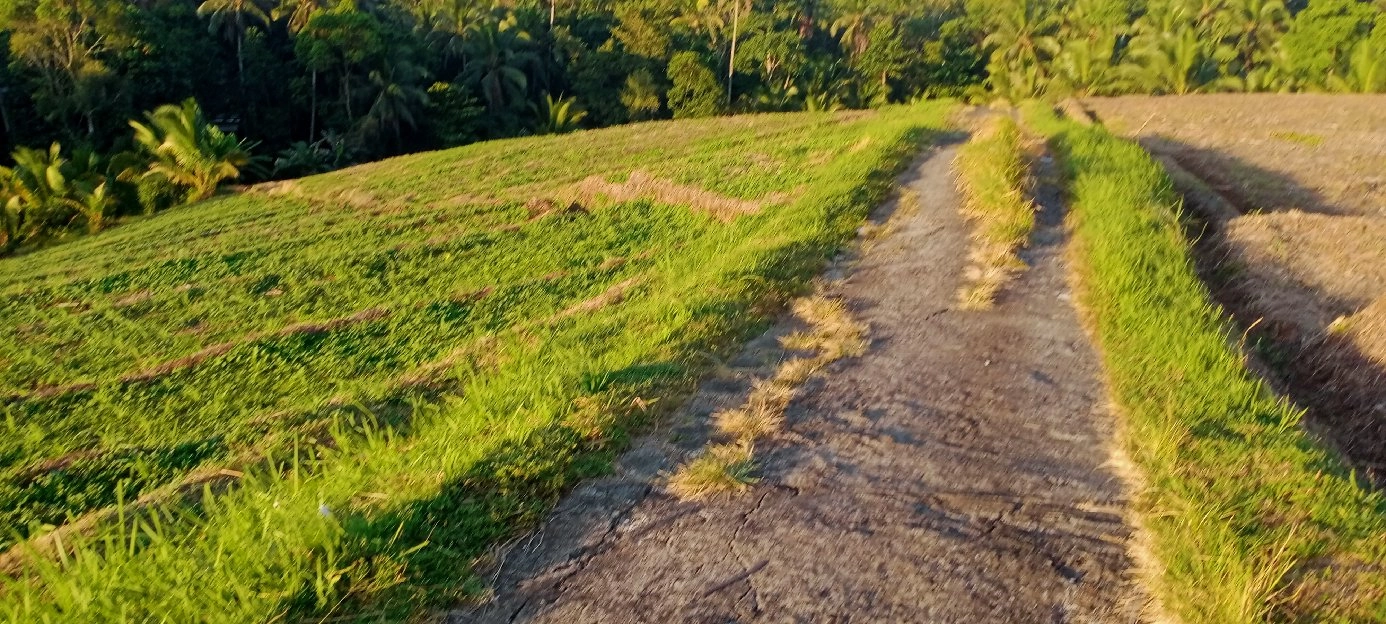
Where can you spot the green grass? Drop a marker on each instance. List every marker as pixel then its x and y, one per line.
pixel 1249 517
pixel 1308 140
pixel 404 363
pixel 994 179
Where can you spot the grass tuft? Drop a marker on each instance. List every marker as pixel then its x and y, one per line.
pixel 832 335
pixel 720 469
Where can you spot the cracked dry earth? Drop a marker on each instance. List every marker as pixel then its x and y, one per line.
pixel 955 473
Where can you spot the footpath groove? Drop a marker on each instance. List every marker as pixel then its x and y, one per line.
pixel 955 473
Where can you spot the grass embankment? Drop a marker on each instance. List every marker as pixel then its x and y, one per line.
pixel 407 361
pixel 994 179
pixel 1249 517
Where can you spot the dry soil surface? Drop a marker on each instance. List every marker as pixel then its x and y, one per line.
pixel 955 473
pixel 1313 152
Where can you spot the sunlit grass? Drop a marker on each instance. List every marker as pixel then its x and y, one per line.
pixel 513 352
pixel 994 180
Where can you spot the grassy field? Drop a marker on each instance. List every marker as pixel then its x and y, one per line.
pixel 1249 517
pixel 328 397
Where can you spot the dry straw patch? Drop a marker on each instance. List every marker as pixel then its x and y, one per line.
pixel 721 468
pixel 643 186
pixel 727 466
pixel 994 180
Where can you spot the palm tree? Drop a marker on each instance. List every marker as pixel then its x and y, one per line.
pixel 35 192
pixel 1022 41
pixel 43 187
pixel 1253 27
pixel 397 97
pixel 853 26
pixel 706 18
pixel 298 12
pixel 559 116
pixel 736 9
pixel 498 56
pixel 1089 41
pixel 1366 69
pixel 1169 53
pixel 188 151
pixel 235 18
pixel 1168 63
pixel 450 23
pixel 710 18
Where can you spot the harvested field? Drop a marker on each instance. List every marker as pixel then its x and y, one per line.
pixel 1309 269
pixel 1264 152
pixel 1292 192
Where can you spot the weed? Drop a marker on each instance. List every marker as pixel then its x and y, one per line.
pixel 1309 140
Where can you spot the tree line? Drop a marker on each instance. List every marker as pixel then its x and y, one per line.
pixel 1113 47
pixel 313 85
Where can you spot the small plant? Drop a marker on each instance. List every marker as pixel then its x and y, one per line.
pixel 1302 138
pixel 44 191
pixel 719 469
pixel 559 116
pixel 188 151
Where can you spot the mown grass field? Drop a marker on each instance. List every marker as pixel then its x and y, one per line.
pixel 1250 518
pixel 334 394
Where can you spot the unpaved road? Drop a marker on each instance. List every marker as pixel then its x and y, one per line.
pixel 956 473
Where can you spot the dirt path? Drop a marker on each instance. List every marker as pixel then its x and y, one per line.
pixel 953 474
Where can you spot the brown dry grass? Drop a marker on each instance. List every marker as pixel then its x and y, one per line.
pixel 1367 329
pixel 610 296
pixel 643 186
pixel 1310 268
pixel 832 334
pixel 719 469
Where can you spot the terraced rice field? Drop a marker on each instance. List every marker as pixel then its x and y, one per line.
pixel 330 396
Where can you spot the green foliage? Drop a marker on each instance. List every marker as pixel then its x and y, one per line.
pixel 1366 66
pixel 157 193
pixel 382 454
pixel 189 152
pixel 455 115
pixel 287 71
pixel 559 116
pixel 694 91
pixel 1322 38
pixel 1177 46
pixel 641 96
pixel 43 191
